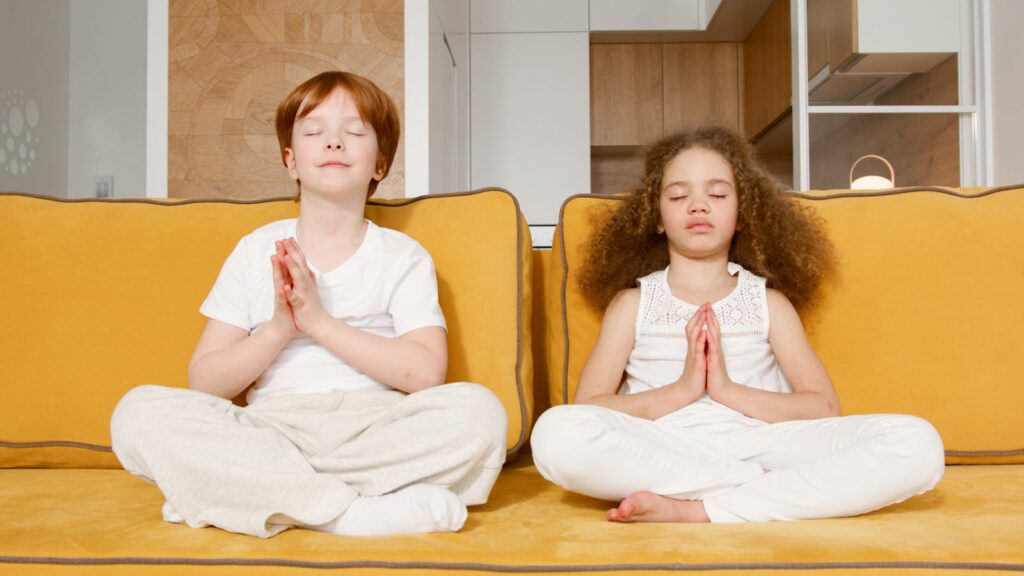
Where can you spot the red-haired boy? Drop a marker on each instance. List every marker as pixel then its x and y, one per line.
pixel 335 323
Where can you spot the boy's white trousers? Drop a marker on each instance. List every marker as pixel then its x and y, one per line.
pixel 301 459
pixel 744 470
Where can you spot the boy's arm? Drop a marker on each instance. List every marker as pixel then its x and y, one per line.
pixel 813 394
pixel 227 359
pixel 602 374
pixel 415 360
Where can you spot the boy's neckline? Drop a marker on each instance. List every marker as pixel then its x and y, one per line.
pixel 328 277
pixel 732 268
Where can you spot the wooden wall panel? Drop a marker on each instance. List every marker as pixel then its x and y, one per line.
pixel 617 171
pixel 767 70
pixel 625 94
pixel 701 85
pixel 232 61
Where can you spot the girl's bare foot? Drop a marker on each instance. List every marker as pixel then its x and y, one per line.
pixel 649 507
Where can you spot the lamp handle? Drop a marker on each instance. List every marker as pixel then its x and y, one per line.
pixel 892 173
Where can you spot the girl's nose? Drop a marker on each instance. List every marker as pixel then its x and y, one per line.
pixel 335 144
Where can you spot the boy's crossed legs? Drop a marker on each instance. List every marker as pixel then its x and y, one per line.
pixel 356 463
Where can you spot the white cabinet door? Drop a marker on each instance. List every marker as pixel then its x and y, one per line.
pixel 530 118
pixel 908 26
pixel 622 15
pixel 497 16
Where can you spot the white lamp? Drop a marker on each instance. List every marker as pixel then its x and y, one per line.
pixel 873 181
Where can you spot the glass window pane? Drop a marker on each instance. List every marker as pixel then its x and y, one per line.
pixel 924 149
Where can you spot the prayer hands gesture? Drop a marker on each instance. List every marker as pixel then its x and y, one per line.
pixel 297 304
pixel 704 368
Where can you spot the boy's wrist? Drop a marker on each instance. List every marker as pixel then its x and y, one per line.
pixel 275 332
pixel 319 329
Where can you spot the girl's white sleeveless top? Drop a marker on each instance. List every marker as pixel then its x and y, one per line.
pixel 659 350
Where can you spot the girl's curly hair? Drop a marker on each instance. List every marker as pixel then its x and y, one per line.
pixel 776 237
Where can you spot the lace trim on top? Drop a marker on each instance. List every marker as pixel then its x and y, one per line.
pixel 743 313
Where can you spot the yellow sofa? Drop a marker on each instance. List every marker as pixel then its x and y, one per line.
pixel 99 296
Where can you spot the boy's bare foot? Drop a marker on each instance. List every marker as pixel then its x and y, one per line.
pixel 649 507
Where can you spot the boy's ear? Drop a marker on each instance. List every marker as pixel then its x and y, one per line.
pixel 379 173
pixel 289 163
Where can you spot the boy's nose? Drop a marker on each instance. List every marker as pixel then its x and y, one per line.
pixel 335 144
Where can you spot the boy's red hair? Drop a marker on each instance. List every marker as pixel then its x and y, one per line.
pixel 374 105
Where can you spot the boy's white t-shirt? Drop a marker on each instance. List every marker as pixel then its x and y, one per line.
pixel 387 287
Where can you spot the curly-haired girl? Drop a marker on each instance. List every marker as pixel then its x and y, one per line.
pixel 693 406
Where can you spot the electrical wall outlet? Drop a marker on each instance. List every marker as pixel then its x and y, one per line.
pixel 104 186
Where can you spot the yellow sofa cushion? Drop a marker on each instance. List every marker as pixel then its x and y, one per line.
pixel 924 319
pixel 93 521
pixel 101 296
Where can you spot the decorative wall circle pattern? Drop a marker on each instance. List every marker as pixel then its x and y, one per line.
pixel 18 116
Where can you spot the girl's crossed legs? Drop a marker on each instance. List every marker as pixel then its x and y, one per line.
pixel 744 473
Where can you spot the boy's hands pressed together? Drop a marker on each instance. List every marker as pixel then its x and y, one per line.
pixel 282 321
pixel 301 295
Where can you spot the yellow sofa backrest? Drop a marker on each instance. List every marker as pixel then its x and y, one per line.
pixel 97 297
pixel 924 319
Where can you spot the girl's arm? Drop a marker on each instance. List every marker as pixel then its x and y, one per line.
pixel 415 360
pixel 602 374
pixel 813 395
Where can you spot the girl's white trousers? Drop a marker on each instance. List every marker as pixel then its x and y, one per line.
pixel 744 470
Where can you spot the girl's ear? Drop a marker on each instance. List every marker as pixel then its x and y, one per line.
pixel 661 229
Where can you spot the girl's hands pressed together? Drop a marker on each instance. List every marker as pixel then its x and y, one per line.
pixel 307 310
pixel 693 381
pixel 717 378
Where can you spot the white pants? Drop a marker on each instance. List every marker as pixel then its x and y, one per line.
pixel 305 457
pixel 748 472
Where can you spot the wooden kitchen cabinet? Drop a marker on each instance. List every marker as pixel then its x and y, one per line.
pixel 625 94
pixel 701 85
pixel 767 70
pixel 640 92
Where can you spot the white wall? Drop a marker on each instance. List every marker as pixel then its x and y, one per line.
pixel 436 129
pixel 1007 46
pixel 107 90
pixel 34 96
pixel 531 118
pixel 449 96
